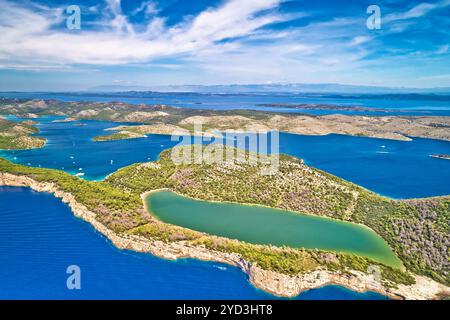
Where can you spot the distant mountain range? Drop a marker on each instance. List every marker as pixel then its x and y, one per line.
pixel 330 88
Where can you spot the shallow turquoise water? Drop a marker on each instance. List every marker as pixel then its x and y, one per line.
pixel 42 224
pixel 40 238
pixel 268 226
pixel 397 169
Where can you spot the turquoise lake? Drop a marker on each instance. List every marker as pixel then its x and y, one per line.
pixel 268 226
pixel 40 238
pixel 42 224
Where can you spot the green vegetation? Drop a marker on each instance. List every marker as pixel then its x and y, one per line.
pixel 114 111
pixel 416 230
pixel 163 117
pixel 15 136
pixel 293 262
pixel 116 209
pixel 118 136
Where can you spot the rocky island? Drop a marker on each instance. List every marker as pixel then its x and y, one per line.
pixel 18 135
pixel 163 119
pixel 313 106
pixel 416 230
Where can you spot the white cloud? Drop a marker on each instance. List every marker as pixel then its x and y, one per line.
pixel 310 53
pixel 198 49
pixel 359 40
pixel 148 7
pixel 119 22
pixel 29 37
pixel 417 11
pixel 443 49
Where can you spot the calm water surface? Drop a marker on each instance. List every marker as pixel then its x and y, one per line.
pixel 382 106
pixel 399 169
pixel 40 238
pixel 263 225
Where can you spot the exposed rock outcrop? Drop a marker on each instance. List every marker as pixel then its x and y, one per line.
pixel 270 281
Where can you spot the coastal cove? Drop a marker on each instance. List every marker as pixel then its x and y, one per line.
pixel 255 101
pixel 269 226
pixel 42 223
pixel 84 156
pixel 223 157
pixel 83 196
pixel 397 169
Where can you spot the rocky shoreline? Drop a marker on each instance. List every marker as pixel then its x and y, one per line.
pixel 163 119
pixel 269 281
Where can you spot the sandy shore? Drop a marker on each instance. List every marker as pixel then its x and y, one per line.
pixel 269 281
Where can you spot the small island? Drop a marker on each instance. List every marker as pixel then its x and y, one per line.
pixel 415 230
pixel 312 106
pixel 164 119
pixel 122 135
pixel 19 135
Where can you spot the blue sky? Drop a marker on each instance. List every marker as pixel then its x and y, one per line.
pixel 162 42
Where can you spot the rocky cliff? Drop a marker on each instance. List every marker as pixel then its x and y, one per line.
pixel 270 281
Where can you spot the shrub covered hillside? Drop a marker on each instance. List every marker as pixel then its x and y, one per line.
pixel 116 209
pixel 418 230
pixel 163 119
pixel 17 135
pixel 121 209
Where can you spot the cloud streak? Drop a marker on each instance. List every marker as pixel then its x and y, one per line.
pixel 118 43
pixel 417 11
pixel 236 41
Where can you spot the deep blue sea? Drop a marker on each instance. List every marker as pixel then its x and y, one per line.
pixel 398 169
pixel 403 106
pixel 39 237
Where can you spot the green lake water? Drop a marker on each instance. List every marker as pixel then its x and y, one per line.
pixel 263 225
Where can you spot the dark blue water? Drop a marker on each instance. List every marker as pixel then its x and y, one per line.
pixel 70 148
pixel 399 169
pixel 40 238
pixel 406 106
